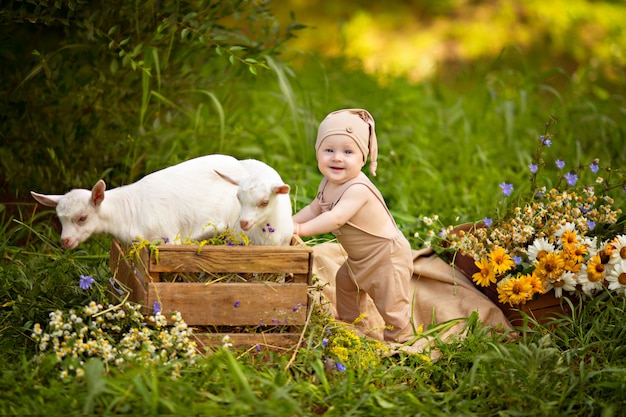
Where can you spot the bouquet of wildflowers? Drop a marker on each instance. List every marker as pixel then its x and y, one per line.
pixel 565 239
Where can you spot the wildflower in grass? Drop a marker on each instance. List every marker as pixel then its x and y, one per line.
pixel 506 188
pixel 533 168
pixel 227 342
pixel 86 282
pixel 341 367
pixel 594 166
pixel 571 178
pixel 501 261
pixel 517 259
pixel 488 221
pixel 486 275
pixel 560 163
pixel 591 224
pixel 325 342
pixel 599 180
pixel 617 278
pixel 545 140
pixel 156 308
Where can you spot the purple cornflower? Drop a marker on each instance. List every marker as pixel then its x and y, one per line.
pixel 341 367
pixel 325 342
pixel 506 188
pixel 591 224
pixel 488 221
pixel 560 163
pixel 236 303
pixel 517 259
pixel 258 348
pixel 297 307
pixel 545 141
pixel 533 168
pixel 594 166
pixel 571 178
pixel 156 308
pixel 86 282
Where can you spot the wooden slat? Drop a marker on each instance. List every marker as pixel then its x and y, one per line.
pixel 124 272
pixel 244 259
pixel 232 304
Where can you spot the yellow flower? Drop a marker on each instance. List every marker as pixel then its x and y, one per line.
pixel 500 260
pixel 550 267
pixel 569 239
pixel 486 275
pixel 595 269
pixel 516 290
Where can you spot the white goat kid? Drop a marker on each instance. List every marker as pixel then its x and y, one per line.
pixel 188 200
pixel 266 212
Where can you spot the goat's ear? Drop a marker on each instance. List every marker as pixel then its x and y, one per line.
pixel 97 193
pixel 46 200
pixel 230 179
pixel 281 189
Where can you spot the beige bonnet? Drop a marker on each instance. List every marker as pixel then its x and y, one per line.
pixel 357 124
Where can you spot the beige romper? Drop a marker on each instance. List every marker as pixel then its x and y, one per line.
pixel 379 266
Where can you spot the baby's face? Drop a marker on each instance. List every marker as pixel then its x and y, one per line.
pixel 339 159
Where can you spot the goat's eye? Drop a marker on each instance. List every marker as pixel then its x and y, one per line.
pixel 264 203
pixel 82 219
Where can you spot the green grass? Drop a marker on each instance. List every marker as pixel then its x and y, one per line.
pixel 445 145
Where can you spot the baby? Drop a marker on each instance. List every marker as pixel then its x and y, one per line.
pixel 348 204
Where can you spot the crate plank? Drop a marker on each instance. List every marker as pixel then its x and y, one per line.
pixel 124 272
pixel 220 259
pixel 232 304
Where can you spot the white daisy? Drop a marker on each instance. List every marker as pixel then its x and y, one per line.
pixel 617 278
pixel 566 282
pixel 539 246
pixel 588 287
pixel 619 249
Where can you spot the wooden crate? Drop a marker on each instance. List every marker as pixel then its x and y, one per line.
pixel 263 306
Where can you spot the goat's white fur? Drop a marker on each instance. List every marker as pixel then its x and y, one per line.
pixel 188 200
pixel 265 215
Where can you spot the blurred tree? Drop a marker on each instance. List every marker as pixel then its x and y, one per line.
pixel 84 84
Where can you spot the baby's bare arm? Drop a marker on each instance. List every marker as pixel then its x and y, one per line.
pixel 351 202
pixel 307 213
